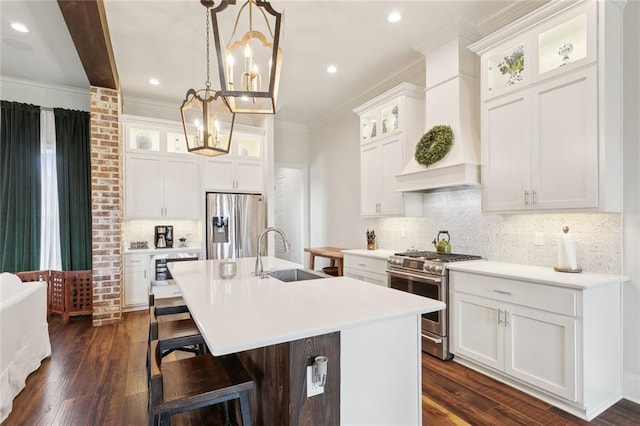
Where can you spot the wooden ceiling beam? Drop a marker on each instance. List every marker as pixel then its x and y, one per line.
pixel 87 24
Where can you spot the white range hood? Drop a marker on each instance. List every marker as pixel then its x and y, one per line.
pixel 451 98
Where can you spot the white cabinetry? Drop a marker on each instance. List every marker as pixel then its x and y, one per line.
pixel 386 123
pixel 557 343
pixel 136 280
pixel 161 186
pixel 550 110
pixel 364 268
pixel 242 170
pixel 160 181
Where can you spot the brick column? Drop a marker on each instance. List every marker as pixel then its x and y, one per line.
pixel 106 205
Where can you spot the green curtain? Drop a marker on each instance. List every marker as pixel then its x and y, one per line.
pixel 73 164
pixel 19 187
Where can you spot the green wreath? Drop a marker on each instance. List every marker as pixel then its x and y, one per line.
pixel 434 145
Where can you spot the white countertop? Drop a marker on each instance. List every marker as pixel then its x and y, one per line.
pixel 247 312
pixel 539 274
pixel 153 250
pixel 376 254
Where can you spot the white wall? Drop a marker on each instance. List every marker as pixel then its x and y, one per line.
pixel 631 218
pixel 334 169
pixel 291 144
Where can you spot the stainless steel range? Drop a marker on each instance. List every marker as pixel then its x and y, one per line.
pixel 424 273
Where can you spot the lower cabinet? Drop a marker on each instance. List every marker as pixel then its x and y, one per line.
pixel 534 346
pixel 557 343
pixel 365 268
pixel 136 280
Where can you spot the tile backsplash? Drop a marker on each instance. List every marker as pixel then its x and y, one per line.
pixel 505 237
pixel 143 230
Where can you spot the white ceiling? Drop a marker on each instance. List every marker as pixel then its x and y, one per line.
pixel 166 40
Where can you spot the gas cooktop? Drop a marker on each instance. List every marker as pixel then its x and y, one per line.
pixel 425 262
pixel 437 257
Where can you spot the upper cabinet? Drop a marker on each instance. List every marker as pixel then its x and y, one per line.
pixel 554 45
pixel 386 123
pixel 159 181
pixel 551 107
pixel 242 170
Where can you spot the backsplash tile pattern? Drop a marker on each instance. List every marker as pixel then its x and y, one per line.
pixel 505 237
pixel 143 230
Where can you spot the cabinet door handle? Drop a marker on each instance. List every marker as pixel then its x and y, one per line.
pixel 534 197
pixel 145 273
pixel 506 318
pixel 362 264
pixel 526 197
pixel 503 292
pixel 499 316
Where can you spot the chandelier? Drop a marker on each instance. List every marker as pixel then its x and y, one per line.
pixel 250 57
pixel 205 117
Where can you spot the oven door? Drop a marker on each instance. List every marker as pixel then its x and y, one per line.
pixel 431 286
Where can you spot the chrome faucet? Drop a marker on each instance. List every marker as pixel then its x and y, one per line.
pixel 259 269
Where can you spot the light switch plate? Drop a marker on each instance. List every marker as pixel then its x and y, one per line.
pixel 539 239
pixel 312 389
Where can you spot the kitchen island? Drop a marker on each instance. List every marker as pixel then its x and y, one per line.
pixel 370 334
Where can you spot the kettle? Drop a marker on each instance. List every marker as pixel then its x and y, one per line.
pixel 442 246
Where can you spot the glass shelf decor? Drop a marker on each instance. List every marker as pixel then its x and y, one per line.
pixel 390 119
pixel 506 68
pixel 563 44
pixel 144 139
pixel 368 127
pixel 247 145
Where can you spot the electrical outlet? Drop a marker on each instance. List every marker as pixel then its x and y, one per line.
pixel 539 239
pixel 312 388
pixel 403 233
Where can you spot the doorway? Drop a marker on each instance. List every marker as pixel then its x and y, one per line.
pixel 290 211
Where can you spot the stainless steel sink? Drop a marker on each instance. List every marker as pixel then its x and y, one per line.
pixel 291 275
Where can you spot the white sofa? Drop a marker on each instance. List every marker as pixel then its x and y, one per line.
pixel 24 335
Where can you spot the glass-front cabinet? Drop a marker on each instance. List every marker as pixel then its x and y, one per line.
pixel 560 44
pixel 142 138
pixel 388 123
pixel 380 122
pixel 566 42
pixel 507 68
pixel 545 80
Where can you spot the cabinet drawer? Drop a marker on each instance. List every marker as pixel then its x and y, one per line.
pixel 378 266
pixel 136 260
pixel 547 298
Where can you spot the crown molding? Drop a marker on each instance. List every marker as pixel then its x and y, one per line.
pixel 462 29
pixel 413 71
pixel 508 14
pixel 45 94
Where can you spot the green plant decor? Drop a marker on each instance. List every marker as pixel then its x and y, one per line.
pixel 514 63
pixel 434 145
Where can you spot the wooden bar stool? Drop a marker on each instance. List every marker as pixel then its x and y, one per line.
pixel 191 383
pixel 176 335
pixel 169 305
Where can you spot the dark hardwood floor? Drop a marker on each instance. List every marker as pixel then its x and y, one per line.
pixel 97 376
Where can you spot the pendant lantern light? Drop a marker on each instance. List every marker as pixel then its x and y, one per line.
pixel 250 56
pixel 205 115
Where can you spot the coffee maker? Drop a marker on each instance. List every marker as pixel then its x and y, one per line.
pixel 163 236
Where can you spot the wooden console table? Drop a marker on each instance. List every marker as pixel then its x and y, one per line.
pixel 333 253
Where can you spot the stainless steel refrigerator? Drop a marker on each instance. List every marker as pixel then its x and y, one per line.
pixel 234 222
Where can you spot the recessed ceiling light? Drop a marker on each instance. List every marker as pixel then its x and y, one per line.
pixel 154 81
pixel 20 27
pixel 331 69
pixel 394 17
